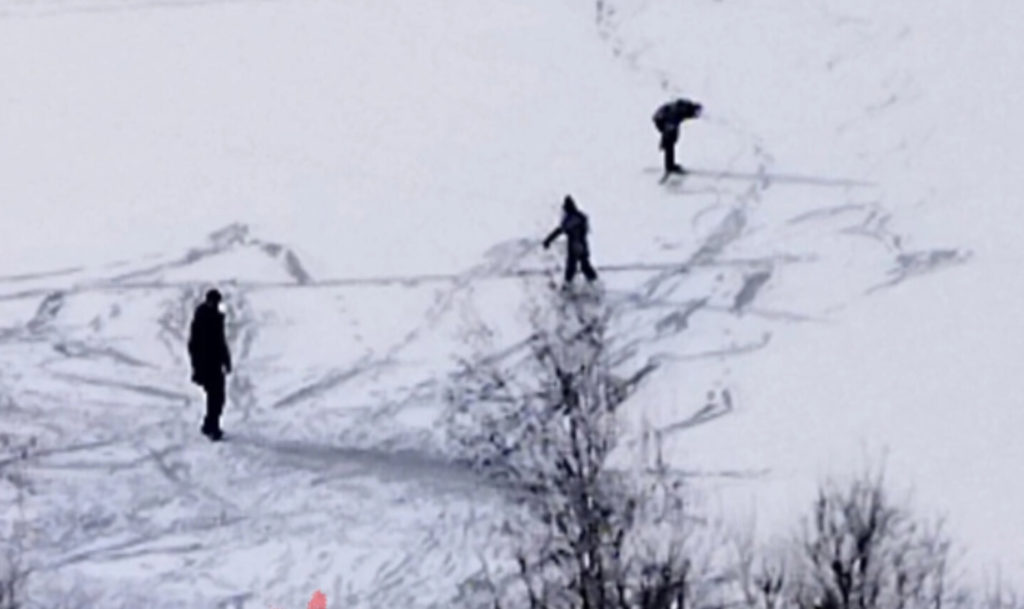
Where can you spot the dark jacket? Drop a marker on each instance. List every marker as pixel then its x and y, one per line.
pixel 574 226
pixel 668 117
pixel 207 345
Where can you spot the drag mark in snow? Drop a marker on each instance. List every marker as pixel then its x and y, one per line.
pixel 80 350
pixel 827 212
pixel 920 263
pixel 728 230
pixel 37 276
pixel 678 320
pixel 223 241
pixel 147 390
pixel 323 385
pixel 730 351
pixel 751 286
pixel 711 411
pixel 48 310
pixel 766 179
pixel 875 225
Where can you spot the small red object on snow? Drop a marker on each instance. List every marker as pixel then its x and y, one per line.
pixel 319 601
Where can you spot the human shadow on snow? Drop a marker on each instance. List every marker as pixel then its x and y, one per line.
pixel 772 178
pixel 336 462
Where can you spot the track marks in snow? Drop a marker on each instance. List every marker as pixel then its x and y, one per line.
pixel 678 320
pixel 751 285
pixel 48 310
pixel 149 391
pixel 766 178
pixel 915 264
pixel 717 405
pixel 81 350
pixel 233 237
pixel 325 384
pixel 706 307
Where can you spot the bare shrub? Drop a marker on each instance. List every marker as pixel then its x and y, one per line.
pixel 12 580
pixel 862 550
pixel 541 419
pixel 595 536
pixel 761 577
pixel 13 571
pixel 995 595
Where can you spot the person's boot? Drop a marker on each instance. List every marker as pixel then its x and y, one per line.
pixel 211 432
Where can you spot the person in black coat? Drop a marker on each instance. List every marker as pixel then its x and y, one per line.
pixel 211 359
pixel 574 226
pixel 667 119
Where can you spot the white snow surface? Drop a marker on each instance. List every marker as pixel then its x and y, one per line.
pixel 367 181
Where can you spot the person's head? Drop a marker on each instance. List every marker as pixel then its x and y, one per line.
pixel 568 205
pixel 213 298
pixel 690 108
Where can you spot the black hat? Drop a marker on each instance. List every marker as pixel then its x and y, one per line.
pixel 213 296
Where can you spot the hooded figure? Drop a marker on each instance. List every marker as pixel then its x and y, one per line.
pixel 668 119
pixel 574 226
pixel 211 360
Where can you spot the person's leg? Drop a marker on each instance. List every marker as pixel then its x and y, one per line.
pixel 572 261
pixel 218 404
pixel 676 167
pixel 668 145
pixel 208 419
pixel 588 269
pixel 670 153
pixel 214 405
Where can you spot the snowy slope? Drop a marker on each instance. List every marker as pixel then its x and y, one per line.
pixel 920 100
pixel 370 173
pixel 289 148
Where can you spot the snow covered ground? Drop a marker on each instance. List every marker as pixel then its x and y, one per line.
pixel 923 371
pixel 367 181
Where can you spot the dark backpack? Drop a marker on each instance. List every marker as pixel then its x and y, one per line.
pixel 662 118
pixel 671 114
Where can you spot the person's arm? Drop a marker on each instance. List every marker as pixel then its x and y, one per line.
pixel 662 118
pixel 225 352
pixel 192 340
pixel 554 235
pixel 690 111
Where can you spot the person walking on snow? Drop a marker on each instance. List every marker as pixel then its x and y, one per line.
pixel 574 226
pixel 668 119
pixel 211 360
